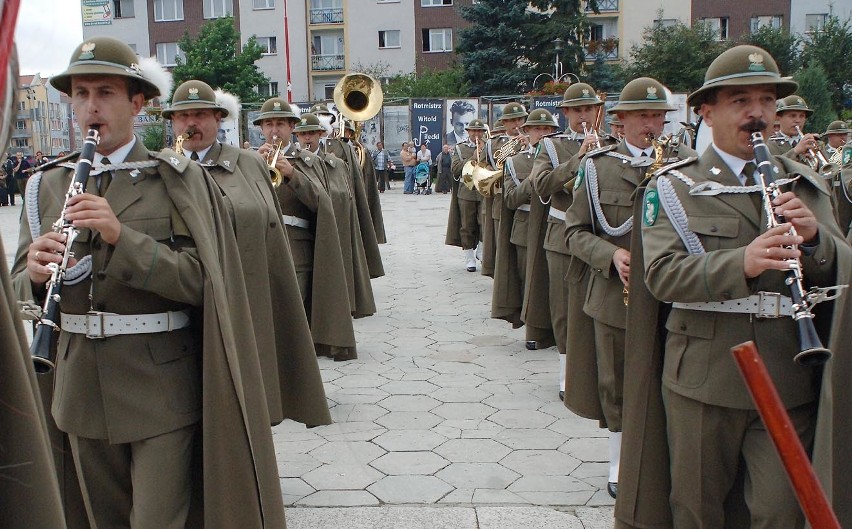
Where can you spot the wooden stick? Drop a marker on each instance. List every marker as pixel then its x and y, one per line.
pixel 808 490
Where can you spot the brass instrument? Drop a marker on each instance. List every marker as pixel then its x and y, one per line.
pixel 358 97
pixel 596 144
pixel 817 160
pixel 178 148
pixel 489 183
pixel 272 159
pixel 476 175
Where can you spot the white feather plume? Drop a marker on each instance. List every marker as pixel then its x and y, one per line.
pixel 325 121
pixel 296 110
pixel 154 72
pixel 229 102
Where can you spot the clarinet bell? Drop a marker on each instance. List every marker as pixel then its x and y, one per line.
pixel 811 353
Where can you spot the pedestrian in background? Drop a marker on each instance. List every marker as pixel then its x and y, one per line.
pixel 382 162
pixel 443 163
pixel 409 160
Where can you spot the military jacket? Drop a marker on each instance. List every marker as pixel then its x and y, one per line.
pixel 462 153
pixel 299 194
pixel 517 192
pixel 706 264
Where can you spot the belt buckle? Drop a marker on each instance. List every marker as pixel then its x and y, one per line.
pixel 100 319
pixel 769 305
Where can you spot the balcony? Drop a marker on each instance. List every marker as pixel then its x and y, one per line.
pixel 327 62
pixel 607 49
pixel 327 16
pixel 22 133
pixel 604 6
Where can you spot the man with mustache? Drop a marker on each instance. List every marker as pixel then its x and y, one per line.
pixel 707 251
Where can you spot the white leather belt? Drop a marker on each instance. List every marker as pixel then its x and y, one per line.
pixel 556 213
pixel 103 324
pixel 762 304
pixel 524 207
pixel 290 220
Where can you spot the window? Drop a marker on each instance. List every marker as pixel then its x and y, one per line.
pixel 389 39
pixel 815 22
pixel 123 8
pixel 264 4
pixel 132 47
pixel 167 52
pixel 719 26
pixel 329 91
pixel 21 124
pixel 435 3
pixel 269 45
pixel 596 32
pixel 268 89
pixel 665 22
pixel 437 40
pixel 20 142
pixel 218 8
pixel 772 21
pixel 165 10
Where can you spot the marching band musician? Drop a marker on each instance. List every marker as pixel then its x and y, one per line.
pixel 792 113
pixel 514 115
pixel 463 223
pixel 309 131
pixel 836 135
pixel 553 171
pixel 153 336
pixel 599 223
pixel 707 251
pixel 308 218
pixel 519 232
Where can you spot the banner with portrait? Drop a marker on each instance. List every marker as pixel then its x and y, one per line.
pixel 427 124
pixel 460 112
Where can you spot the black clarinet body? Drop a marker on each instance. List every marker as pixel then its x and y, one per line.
pixel 811 350
pixel 48 322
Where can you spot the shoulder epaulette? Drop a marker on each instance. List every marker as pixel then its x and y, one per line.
pixel 792 166
pixel 680 163
pixel 306 156
pixel 177 161
pixel 601 150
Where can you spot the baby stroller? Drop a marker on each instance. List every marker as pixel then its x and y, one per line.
pixel 422 179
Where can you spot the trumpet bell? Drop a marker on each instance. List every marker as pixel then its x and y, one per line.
pixel 358 96
pixel 275 176
pixel 485 181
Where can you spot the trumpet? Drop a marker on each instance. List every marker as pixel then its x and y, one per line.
pixel 178 148
pixel 817 160
pixel 272 159
pixel 596 144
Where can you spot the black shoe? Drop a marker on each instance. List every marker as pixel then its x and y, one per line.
pixel 562 396
pixel 531 345
pixel 471 269
pixel 612 488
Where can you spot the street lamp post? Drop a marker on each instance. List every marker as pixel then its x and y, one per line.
pixel 558 76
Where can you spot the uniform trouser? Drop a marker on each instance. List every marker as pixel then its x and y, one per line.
pixel 303 260
pixel 469 231
pixel 141 485
pixel 708 444
pixel 609 347
pixel 557 268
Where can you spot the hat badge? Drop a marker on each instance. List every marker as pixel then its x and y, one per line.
pixel 86 51
pixel 276 105
pixel 586 92
pixel 193 93
pixel 800 102
pixel 756 62
pixel 134 68
pixel 303 122
pixel 652 93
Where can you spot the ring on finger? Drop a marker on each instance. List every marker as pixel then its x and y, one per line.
pixel 767 251
pixel 37 256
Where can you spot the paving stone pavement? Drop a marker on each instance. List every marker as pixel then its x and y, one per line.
pixel 445 420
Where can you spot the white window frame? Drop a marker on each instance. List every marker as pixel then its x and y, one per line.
pixel 387 33
pixel 446 35
pixel 665 22
pixel 772 21
pixel 326 4
pixel 269 45
pixel 271 89
pixel 175 8
pixel 218 9
pixel 719 25
pixel 116 8
pixel 166 56
pixel 820 18
pixel 435 3
pixel 266 4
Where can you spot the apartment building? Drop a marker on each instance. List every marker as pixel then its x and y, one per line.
pixel 732 19
pixel 807 16
pixel 42 119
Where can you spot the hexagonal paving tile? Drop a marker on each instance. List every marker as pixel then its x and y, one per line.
pixel 587 449
pixel 338 498
pixel 351 431
pixel 449 380
pixel 347 452
pixel 530 438
pixel 522 419
pixel 360 381
pixel 294 489
pixel 410 489
pixel 295 465
pixel 514 402
pixel 409 387
pixel 463 410
pixel 478 475
pixel 356 395
pixel 409 403
pixel 404 420
pixel 342 477
pixel 460 394
pixel 540 462
pixel 399 463
pixel 456 368
pixel 356 412
pixel 473 451
pixel 409 440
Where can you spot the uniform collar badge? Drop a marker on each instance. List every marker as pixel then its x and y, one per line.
pixel 86 51
pixel 193 93
pixel 652 93
pixel 134 173
pixel 715 170
pixel 227 163
pixel 756 63
pixel 174 161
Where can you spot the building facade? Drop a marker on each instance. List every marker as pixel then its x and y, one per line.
pixel 808 16
pixel 42 119
pixel 732 19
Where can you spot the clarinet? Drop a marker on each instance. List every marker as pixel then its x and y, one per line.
pixel 47 322
pixel 811 350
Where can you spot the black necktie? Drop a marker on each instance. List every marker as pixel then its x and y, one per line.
pixel 194 156
pixel 748 177
pixel 105 178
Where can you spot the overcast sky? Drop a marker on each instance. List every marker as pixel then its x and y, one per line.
pixel 47 33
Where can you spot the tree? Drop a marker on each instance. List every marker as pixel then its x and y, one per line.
pixel 215 58
pixel 814 88
pixel 831 48
pixel 606 76
pixel 784 47
pixel 442 83
pixel 153 137
pixel 677 56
